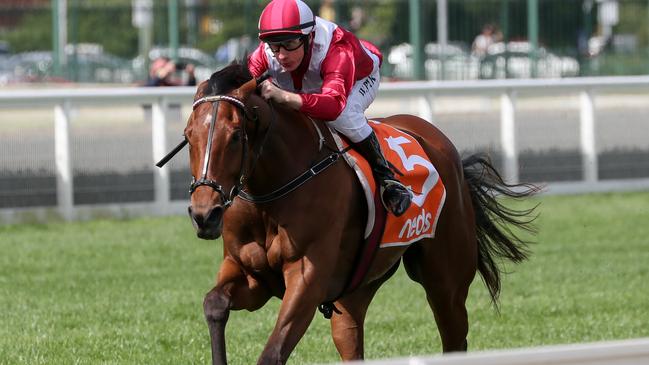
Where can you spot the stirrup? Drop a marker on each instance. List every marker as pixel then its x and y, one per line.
pixel 398 197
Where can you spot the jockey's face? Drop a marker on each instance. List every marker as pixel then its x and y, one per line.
pixel 289 54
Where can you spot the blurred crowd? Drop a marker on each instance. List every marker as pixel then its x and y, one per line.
pixel 166 72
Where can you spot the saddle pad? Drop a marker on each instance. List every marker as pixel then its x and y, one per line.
pixel 420 176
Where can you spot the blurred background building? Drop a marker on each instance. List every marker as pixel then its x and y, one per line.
pixel 114 41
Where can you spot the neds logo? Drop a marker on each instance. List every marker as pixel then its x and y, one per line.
pixel 416 225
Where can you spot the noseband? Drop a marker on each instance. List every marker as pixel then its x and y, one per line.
pixel 226 199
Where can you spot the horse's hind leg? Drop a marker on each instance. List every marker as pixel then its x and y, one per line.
pixel 347 327
pixel 445 269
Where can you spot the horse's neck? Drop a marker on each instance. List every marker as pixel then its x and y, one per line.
pixel 290 148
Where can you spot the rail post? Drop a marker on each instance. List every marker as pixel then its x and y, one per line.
pixel 587 136
pixel 64 182
pixel 425 109
pixel 159 139
pixel 508 136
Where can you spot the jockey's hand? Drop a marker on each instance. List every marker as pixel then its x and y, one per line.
pixel 270 91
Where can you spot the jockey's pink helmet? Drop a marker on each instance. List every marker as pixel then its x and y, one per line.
pixel 285 19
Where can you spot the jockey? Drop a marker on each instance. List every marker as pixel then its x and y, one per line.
pixel 326 73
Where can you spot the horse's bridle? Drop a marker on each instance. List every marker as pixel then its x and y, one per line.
pixel 226 199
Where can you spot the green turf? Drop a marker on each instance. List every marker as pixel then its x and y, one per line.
pixel 130 292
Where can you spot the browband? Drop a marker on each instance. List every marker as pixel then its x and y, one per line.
pixel 231 99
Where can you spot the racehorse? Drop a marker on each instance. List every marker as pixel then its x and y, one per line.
pixel 292 218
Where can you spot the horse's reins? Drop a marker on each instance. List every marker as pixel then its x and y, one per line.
pixel 298 181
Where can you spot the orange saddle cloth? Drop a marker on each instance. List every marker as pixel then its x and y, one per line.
pixel 419 175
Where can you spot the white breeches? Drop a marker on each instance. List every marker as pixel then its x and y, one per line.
pixel 351 122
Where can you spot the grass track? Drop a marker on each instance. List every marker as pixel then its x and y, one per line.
pixel 130 292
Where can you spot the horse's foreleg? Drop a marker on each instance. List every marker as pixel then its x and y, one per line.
pixel 233 290
pixel 217 310
pixel 304 291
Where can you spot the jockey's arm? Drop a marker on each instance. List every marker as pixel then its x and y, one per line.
pixel 257 63
pixel 270 91
pixel 338 78
pixel 337 72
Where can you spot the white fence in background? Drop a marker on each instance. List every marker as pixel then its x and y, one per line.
pixel 626 352
pixel 61 100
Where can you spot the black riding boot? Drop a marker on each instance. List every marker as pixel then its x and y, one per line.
pixel 395 197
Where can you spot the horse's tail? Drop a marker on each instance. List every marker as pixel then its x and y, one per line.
pixel 494 221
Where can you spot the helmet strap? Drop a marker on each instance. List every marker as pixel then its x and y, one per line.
pixel 307 46
pixel 307 43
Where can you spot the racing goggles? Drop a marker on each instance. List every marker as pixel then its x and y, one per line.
pixel 288 45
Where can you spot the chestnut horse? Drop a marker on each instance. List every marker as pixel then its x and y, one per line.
pixel 295 231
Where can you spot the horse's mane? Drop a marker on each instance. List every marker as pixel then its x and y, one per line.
pixel 229 78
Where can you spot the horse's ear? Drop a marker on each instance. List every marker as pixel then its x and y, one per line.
pixel 251 86
pixel 248 88
pixel 263 78
pixel 202 89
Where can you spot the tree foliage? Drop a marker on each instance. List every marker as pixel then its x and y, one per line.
pixel 34 32
pixel 385 22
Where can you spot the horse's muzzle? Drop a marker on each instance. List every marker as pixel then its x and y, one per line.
pixel 208 222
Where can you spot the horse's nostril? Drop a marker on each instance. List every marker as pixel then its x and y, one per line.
pixel 215 214
pixel 197 220
pixel 204 217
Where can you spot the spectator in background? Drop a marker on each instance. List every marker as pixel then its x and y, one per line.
pixel 357 19
pixel 486 38
pixel 327 10
pixel 163 73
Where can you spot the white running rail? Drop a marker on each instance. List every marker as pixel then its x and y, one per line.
pixel 61 100
pixel 626 352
